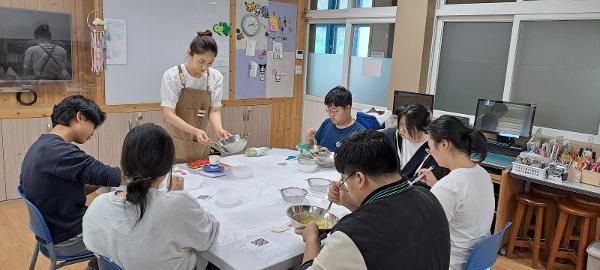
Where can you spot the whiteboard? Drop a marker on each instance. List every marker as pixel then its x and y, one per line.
pixel 158 37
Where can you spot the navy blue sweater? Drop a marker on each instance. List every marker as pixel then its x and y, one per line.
pixel 53 177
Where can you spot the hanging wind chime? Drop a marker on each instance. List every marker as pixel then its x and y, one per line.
pixel 97 44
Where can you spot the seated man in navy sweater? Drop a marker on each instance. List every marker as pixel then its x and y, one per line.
pixel 393 224
pixel 55 172
pixel 340 123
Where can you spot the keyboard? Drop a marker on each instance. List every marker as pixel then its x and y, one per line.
pixel 503 149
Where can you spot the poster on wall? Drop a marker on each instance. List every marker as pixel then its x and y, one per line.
pixel 265 49
pixel 115 36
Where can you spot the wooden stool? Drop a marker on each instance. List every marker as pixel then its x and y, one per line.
pixel 548 192
pixel 586 202
pixel 531 203
pixel 568 211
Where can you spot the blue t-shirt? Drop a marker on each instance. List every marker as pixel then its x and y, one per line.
pixel 329 135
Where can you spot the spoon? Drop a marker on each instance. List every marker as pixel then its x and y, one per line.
pixel 419 177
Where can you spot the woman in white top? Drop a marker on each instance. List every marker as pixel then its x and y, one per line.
pixel 466 193
pixel 145 228
pixel 190 96
pixel 409 142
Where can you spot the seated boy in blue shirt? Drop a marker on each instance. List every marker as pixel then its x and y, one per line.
pixel 55 172
pixel 340 123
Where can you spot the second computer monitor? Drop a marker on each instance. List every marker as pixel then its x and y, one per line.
pixel 404 98
pixel 508 119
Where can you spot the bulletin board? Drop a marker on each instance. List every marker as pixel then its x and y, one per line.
pixel 265 57
pixel 158 35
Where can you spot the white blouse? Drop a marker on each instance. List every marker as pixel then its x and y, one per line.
pixel 171 86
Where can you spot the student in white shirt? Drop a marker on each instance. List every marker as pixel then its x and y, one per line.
pixel 466 193
pixel 145 228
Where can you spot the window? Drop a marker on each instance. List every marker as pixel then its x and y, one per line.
pixel 352 48
pixel 325 57
pixel 472 64
pixel 553 60
pixel 558 68
pixel 328 4
pixel 371 63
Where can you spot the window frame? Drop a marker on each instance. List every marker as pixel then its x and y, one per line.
pixel 350 16
pixel 515 12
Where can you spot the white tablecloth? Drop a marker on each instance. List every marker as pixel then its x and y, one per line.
pixel 261 209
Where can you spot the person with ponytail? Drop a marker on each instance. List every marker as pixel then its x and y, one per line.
pixel 191 96
pixel 466 193
pixel 143 227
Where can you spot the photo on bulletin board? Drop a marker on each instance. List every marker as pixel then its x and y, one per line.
pixel 265 49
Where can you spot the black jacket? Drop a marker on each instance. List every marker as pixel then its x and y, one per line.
pixel 411 167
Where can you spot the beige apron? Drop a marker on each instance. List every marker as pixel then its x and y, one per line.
pixel 193 107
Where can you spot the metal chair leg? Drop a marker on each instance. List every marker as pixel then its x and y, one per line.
pixel 52 257
pixel 36 250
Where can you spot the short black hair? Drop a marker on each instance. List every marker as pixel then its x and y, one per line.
pixel 339 96
pixel 416 117
pixel 65 111
pixel 369 152
pixel 43 32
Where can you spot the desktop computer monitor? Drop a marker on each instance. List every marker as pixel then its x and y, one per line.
pixel 403 98
pixel 507 119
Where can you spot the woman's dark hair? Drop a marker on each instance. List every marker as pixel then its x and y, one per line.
pixel 42 32
pixel 369 152
pixel 202 43
pixel 65 111
pixel 416 118
pixel 467 140
pixel 339 96
pixel 148 153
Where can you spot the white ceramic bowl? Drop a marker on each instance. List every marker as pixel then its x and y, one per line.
pixel 293 195
pixel 228 197
pixel 242 171
pixel 307 164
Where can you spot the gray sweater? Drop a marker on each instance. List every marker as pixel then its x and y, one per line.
pixel 172 232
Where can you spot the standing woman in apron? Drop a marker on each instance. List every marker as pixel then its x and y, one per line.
pixel 191 96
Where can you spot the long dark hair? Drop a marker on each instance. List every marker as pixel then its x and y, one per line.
pixel 467 140
pixel 148 153
pixel 202 43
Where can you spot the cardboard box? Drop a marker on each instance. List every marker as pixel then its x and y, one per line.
pixel 590 178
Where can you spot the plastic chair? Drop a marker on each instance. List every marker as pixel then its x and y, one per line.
pixel 45 244
pixel 484 254
pixel 107 264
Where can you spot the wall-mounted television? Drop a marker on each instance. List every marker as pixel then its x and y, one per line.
pixel 35 46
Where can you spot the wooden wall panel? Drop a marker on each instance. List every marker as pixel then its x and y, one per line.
pixel 84 82
pixel 2 181
pixel 17 137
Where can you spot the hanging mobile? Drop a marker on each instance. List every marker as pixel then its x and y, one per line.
pixel 97 44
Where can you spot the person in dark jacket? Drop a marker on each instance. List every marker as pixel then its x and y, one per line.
pixel 409 142
pixel 393 225
pixel 55 172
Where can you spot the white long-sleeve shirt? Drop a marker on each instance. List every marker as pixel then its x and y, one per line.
pixel 467 196
pixel 172 232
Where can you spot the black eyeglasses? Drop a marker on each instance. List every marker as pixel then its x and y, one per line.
pixel 343 184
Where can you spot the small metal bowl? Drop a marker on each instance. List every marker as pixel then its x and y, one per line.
pixel 233 144
pixel 297 213
pixel 325 159
pixel 293 195
pixel 318 184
